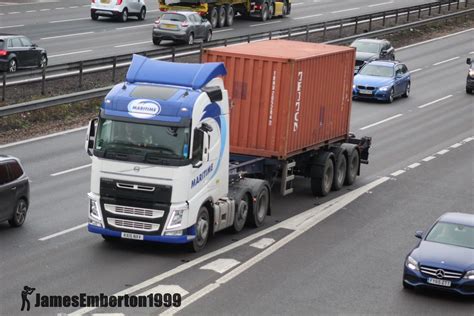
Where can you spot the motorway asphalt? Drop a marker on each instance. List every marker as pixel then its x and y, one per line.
pixel 65 29
pixel 312 274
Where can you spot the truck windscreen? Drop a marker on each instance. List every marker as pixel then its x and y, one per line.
pixel 151 142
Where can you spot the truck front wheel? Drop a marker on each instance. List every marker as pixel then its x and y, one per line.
pixel 202 230
pixel 259 212
pixel 322 175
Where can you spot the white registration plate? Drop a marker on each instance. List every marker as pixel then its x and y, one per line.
pixel 363 91
pixel 132 236
pixel 170 26
pixel 439 282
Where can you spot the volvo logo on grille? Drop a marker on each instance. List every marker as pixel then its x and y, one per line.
pixel 440 274
pixel 136 168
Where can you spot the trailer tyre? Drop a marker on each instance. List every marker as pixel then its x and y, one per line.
pixel 221 16
pixel 264 12
pixel 259 212
pixel 340 171
pixel 352 167
pixel 229 15
pixel 213 17
pixel 241 212
pixel 202 230
pixel 322 176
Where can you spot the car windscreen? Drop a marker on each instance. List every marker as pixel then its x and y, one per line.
pixel 366 47
pixel 173 17
pixel 377 70
pixel 452 234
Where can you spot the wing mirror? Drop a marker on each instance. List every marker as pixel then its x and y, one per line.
pixel 419 234
pixel 34 45
pixel 206 128
pixel 90 137
pixel 468 61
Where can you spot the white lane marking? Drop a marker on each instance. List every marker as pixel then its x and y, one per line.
pixel 263 243
pixel 63 232
pixel 166 289
pixel 13 12
pixel 397 173
pixel 323 210
pixel 220 265
pixel 7 27
pixel 382 121
pixel 30 140
pixel 71 53
pixel 428 158
pixel 296 4
pixel 108 314
pixel 67 35
pixel 442 152
pixel 414 165
pixel 307 17
pixel 467 140
pixel 62 8
pixel 70 170
pixel 345 10
pixel 134 26
pixel 44 10
pixel 456 145
pixel 435 101
pixel 155 10
pixel 435 39
pixel 311 218
pixel 131 44
pixel 263 24
pixel 73 7
pixel 446 61
pixel 30 11
pixel 68 20
pixel 224 30
pixel 379 4
pixel 416 70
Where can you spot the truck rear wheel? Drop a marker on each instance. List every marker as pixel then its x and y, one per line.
pixel 213 17
pixel 340 170
pixel 202 230
pixel 322 175
pixel 221 16
pixel 352 167
pixel 241 212
pixel 259 212
pixel 229 16
pixel 264 14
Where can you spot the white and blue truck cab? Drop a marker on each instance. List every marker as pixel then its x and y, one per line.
pixel 160 158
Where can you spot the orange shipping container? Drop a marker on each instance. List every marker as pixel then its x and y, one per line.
pixel 286 96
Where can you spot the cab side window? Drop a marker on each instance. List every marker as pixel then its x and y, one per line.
pixel 198 144
pixel 3 174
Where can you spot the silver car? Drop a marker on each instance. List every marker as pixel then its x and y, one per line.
pixel 181 26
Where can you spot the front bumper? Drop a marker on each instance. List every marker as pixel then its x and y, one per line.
pixel 417 279
pixel 376 94
pixel 103 12
pixel 170 35
pixel 470 83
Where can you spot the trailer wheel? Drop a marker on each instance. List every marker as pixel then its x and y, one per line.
pixel 202 230
pixel 221 16
pixel 264 13
pixel 241 212
pixel 213 17
pixel 322 176
pixel 259 212
pixel 339 171
pixel 229 15
pixel 271 10
pixel 352 167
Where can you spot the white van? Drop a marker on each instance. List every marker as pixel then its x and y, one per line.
pixel 121 9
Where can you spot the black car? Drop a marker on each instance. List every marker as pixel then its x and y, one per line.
pixel 371 49
pixel 18 51
pixel 470 76
pixel 14 191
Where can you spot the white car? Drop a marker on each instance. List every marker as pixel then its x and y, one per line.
pixel 120 9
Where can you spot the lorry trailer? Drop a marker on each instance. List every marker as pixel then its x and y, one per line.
pixel 167 167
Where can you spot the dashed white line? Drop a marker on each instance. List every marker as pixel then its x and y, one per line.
pixel 435 101
pixel 296 4
pixel 67 35
pixel 69 20
pixel 30 11
pixel 397 173
pixel 382 121
pixel 263 243
pixel 428 158
pixel 134 26
pixel 442 152
pixel 63 232
pixel 416 70
pixel 414 165
pixel 263 24
pixel 456 145
pixel 224 30
pixel 445 61
pixel 71 53
pixel 345 10
pixel 62 8
pixel 307 17
pixel 220 265
pixel 131 44
pixel 73 7
pixel 379 4
pixel 42 10
pixel 13 12
pixel 70 170
pixel 7 27
pixel 467 140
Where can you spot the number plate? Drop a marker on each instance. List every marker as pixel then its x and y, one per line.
pixel 363 91
pixel 439 282
pixel 170 26
pixel 132 236
pixel 105 1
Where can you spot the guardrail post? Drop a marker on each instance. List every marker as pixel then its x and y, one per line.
pixel 200 52
pixel 289 33
pixel 457 5
pixel 396 17
pixel 408 15
pixel 449 5
pixel 324 31
pixel 270 35
pixel 340 29
pixel 429 10
pixel 419 12
pixel 356 24
pixel 114 68
pixel 439 8
pixel 225 42
pixel 383 18
pixel 173 54
pixel 465 4
pixel 4 90
pixel 43 79
pixel 307 33
pixel 370 22
pixel 248 38
pixel 81 66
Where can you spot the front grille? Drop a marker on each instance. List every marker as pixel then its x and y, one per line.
pixel 132 225
pixel 130 186
pixel 440 273
pixel 366 88
pixel 133 211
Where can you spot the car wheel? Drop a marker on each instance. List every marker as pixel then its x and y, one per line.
pixel 229 19
pixel 124 15
pixel 202 230
pixel 264 13
pixel 43 61
pixel 208 36
pixel 12 65
pixel 156 41
pixel 468 90
pixel 406 94
pixel 94 16
pixel 142 15
pixel 19 216
pixel 191 39
pixel 221 16
pixel 391 96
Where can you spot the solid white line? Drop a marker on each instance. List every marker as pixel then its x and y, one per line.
pixel 315 213
pixel 26 141
pixel 313 217
pixel 428 158
pixel 415 70
pixel 263 243
pixel 133 27
pixel 345 10
pixel 63 232
pixel 382 121
pixel 71 53
pixel 70 170
pixel 435 39
pixel 435 101
pixel 397 173
pixel 7 27
pixel 414 165
pixel 220 265
pixel 445 61
pixel 307 17
pixel 263 24
pixel 442 152
pixel 131 44
pixel 67 35
pixel 456 145
pixel 467 140
pixel 69 20
pixel 379 4
pixel 220 31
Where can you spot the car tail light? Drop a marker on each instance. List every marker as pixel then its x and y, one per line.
pixel 258 7
pixel 92 1
pixel 185 24
pixel 3 52
pixel 119 2
pixel 157 22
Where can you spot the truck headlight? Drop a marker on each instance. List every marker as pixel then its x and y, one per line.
pixel 469 275
pixel 412 264
pixel 177 217
pixel 94 210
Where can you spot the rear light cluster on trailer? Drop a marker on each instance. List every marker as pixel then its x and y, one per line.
pixel 3 52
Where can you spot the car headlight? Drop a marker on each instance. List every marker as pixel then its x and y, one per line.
pixel 412 264
pixel 177 217
pixel 353 86
pixel 385 88
pixel 471 73
pixel 469 275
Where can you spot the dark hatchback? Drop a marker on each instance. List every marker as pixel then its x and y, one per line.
pixel 14 191
pixel 470 76
pixel 18 51
pixel 368 50
pixel 444 258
